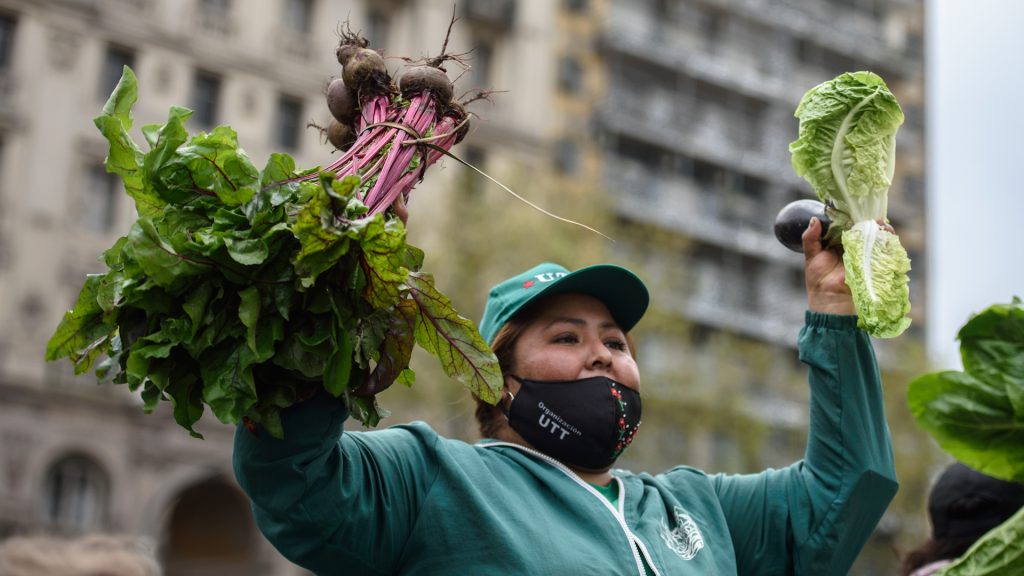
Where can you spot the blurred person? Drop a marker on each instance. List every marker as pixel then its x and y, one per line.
pixel 539 494
pixel 90 555
pixel 963 505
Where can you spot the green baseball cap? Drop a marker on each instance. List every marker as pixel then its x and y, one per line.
pixel 619 289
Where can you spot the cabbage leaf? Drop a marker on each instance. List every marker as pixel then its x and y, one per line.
pixel 846 150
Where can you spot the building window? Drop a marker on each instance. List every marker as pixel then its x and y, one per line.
pixel 378 27
pixel 481 62
pixel 75 496
pixel 576 5
pixel 7 25
pixel 206 97
pixel 567 156
pixel 570 75
pixel 214 16
pixel 299 15
pixel 116 59
pixel 98 205
pixel 288 124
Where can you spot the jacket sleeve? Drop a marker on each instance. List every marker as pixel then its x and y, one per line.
pixel 814 516
pixel 328 500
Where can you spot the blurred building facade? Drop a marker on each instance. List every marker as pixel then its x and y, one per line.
pixel 680 111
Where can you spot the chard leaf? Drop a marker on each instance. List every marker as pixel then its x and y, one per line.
pixel 250 252
pixel 396 350
pixel 124 157
pixel 158 259
pixel 977 415
pixel 383 245
pixel 185 395
pixel 454 340
pixel 249 314
pixel 162 163
pixel 216 163
pixel 228 386
pixel 83 327
pixel 339 366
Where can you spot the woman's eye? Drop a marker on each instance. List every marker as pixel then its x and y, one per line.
pixel 616 345
pixel 566 339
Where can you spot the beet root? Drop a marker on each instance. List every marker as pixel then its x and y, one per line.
pixel 340 134
pixel 364 68
pixel 426 78
pixel 341 102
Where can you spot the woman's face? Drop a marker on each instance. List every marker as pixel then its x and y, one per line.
pixel 573 337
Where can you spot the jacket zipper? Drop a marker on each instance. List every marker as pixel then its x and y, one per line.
pixel 634 543
pixel 636 539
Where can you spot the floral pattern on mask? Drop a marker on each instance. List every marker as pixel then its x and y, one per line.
pixel 625 431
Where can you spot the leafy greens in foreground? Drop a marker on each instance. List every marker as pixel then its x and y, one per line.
pixel 245 290
pixel 846 150
pixel 977 416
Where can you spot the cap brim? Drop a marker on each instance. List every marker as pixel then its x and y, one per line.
pixel 619 289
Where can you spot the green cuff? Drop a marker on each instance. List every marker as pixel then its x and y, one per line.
pixel 830 321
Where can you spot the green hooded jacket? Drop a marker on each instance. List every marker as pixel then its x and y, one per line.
pixel 405 500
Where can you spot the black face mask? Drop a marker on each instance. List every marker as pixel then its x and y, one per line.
pixel 584 423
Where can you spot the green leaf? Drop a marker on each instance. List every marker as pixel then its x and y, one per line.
pixel 216 163
pixel 158 258
pixel 846 144
pixel 163 165
pixel 339 366
pixel 876 272
pixel 383 246
pixel 999 552
pixel 83 326
pixel 248 252
pixel 124 157
pixel 228 386
pixel 249 313
pixel 977 415
pixel 196 304
pixel 454 341
pixel 185 393
pixel 396 350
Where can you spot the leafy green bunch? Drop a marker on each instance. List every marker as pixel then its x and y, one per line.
pixel 977 416
pixel 247 290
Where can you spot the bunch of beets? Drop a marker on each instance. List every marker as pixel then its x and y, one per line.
pixel 247 290
pixel 389 134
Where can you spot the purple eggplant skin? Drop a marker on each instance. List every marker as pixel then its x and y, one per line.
pixel 793 219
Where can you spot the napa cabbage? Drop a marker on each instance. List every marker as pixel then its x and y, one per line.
pixel 846 150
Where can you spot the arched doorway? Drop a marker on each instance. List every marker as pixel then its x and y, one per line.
pixel 210 531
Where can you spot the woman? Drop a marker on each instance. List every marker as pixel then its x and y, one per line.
pixel 540 497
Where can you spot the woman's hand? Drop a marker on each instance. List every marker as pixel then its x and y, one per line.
pixel 824 275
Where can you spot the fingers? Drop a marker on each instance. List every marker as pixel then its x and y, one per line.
pixel 811 239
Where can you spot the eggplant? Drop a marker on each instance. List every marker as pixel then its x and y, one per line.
pixel 793 219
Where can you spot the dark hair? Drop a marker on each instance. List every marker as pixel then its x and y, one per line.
pixel 963 505
pixel 934 550
pixel 489 418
